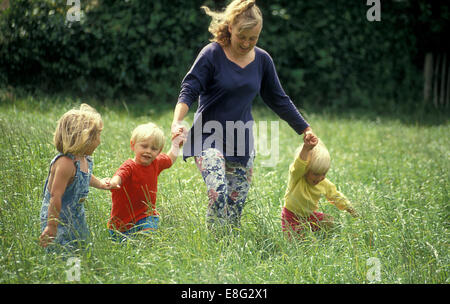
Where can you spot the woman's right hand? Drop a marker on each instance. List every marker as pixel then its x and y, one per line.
pixel 178 127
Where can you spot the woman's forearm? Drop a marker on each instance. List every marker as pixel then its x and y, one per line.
pixel 181 109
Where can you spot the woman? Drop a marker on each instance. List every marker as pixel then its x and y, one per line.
pixel 225 78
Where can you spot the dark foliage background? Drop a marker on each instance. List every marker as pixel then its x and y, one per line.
pixel 327 53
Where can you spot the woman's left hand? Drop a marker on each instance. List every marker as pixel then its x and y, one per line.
pixel 309 137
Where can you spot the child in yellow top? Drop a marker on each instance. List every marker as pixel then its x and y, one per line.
pixel 306 184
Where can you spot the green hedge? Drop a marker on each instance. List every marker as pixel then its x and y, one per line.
pixel 326 52
pixel 118 46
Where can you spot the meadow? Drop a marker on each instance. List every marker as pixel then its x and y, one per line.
pixel 394 171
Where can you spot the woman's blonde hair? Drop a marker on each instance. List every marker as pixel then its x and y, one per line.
pixel 244 11
pixel 146 131
pixel 319 160
pixel 77 129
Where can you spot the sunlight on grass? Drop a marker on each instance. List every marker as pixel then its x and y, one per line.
pixel 395 174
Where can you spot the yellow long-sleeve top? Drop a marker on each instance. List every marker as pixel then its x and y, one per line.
pixel 302 199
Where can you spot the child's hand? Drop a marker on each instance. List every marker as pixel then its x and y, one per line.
pixel 107 184
pixel 310 139
pixel 179 139
pixel 179 134
pixel 177 142
pixel 352 212
pixel 48 235
pixel 179 128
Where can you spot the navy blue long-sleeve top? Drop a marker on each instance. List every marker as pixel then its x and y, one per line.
pixel 225 93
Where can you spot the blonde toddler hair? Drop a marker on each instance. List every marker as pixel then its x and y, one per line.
pixel 244 11
pixel 77 129
pixel 319 160
pixel 146 131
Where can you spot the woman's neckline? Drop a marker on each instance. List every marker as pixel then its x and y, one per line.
pixel 235 63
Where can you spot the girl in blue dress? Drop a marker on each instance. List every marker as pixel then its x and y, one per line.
pixel 62 216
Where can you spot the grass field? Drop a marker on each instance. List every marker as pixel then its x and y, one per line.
pixel 395 173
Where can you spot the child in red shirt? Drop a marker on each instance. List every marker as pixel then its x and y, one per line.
pixel 134 203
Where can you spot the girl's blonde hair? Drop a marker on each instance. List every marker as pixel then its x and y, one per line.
pixel 244 11
pixel 77 129
pixel 319 160
pixel 146 131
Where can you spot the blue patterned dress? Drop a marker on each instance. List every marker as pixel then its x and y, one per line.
pixel 72 227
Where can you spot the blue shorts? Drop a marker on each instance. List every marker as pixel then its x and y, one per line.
pixel 145 225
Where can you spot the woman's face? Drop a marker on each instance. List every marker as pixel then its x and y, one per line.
pixel 243 41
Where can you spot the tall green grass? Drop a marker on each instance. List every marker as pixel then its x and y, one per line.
pixel 395 173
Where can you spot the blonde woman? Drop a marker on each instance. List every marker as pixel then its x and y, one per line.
pixel 307 183
pixel 225 79
pixel 67 185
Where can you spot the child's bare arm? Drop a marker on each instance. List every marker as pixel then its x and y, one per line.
pixel 103 184
pixel 63 173
pixel 115 182
pixel 177 143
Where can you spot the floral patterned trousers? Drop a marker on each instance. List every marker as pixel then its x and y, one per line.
pixel 227 185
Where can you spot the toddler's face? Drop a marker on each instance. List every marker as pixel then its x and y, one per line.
pixel 145 151
pixel 314 178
